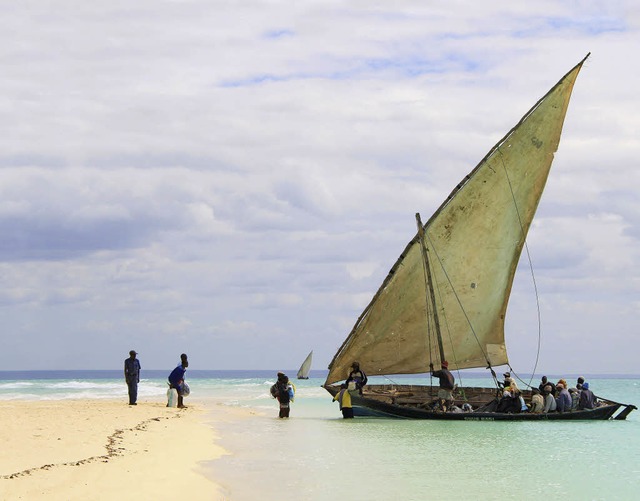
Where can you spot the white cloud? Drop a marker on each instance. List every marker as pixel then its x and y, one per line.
pixel 172 166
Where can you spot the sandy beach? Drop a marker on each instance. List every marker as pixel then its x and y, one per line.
pixel 105 450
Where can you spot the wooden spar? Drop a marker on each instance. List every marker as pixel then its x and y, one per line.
pixel 432 296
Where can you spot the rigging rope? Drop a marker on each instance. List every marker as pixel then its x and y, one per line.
pixel 429 318
pixel 444 314
pixel 533 277
pixel 513 373
pixel 455 293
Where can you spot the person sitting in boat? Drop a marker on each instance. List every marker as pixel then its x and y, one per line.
pixel 446 385
pixel 507 380
pixel 516 391
pixel 575 398
pixel 563 400
pixel 549 400
pixel 511 401
pixel 357 378
pixel 546 382
pixel 587 398
pixel 579 383
pixel 505 400
pixel 537 402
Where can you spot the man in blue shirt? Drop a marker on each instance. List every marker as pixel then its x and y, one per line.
pixel 132 376
pixel 176 378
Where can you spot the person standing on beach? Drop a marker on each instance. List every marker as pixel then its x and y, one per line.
pixel 132 376
pixel 176 378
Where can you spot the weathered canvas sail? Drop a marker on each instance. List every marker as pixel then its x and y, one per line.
pixel 472 243
pixel 303 372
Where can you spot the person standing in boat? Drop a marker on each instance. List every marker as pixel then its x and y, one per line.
pixel 132 376
pixel 357 378
pixel 446 384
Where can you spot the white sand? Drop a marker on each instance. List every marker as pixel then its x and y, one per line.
pixel 105 450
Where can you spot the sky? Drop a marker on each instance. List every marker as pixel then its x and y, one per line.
pixel 234 180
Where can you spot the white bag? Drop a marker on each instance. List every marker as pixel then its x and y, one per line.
pixel 172 397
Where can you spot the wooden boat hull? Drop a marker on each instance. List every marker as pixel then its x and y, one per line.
pixel 406 402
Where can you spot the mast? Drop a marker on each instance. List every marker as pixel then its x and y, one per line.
pixel 430 292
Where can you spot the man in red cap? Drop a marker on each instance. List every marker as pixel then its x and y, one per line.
pixel 447 384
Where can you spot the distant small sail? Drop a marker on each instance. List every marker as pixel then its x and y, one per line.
pixel 303 373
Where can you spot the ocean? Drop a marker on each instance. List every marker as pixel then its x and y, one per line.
pixel 316 455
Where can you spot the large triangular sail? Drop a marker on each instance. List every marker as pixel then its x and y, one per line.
pixel 473 241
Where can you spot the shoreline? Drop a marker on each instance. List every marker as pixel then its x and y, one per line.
pixel 105 449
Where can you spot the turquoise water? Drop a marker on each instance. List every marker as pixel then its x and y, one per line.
pixel 316 455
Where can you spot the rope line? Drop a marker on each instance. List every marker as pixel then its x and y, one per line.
pixel 533 277
pixel 446 322
pixel 455 294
